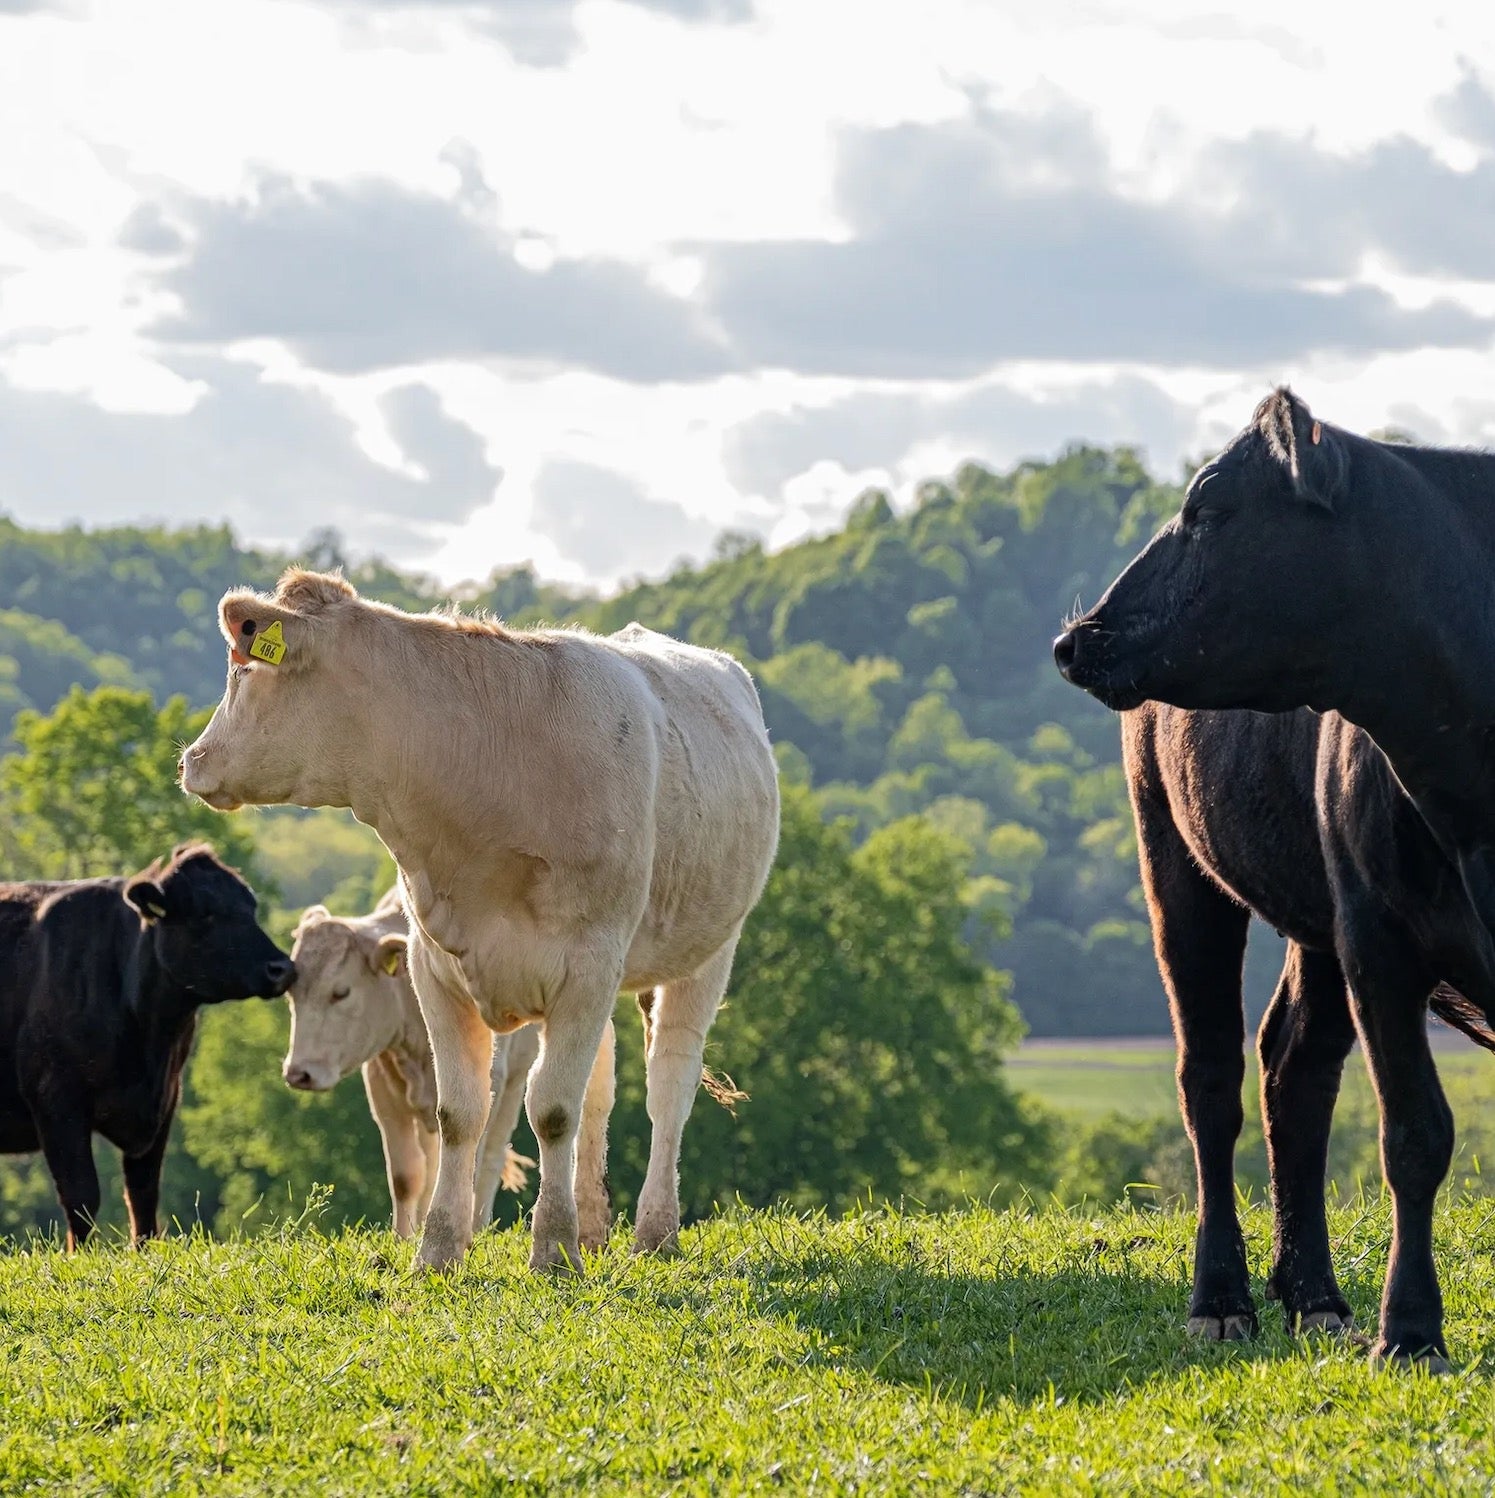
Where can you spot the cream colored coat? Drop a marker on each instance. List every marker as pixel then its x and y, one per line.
pixel 571 814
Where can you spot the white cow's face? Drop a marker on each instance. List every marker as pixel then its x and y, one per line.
pixel 282 731
pixel 346 1003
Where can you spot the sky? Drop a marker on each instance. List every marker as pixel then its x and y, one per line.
pixel 584 283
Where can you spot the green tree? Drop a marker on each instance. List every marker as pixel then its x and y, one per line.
pixel 92 788
pixel 868 1037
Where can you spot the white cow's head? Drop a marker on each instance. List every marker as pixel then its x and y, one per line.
pixel 347 1004
pixel 300 671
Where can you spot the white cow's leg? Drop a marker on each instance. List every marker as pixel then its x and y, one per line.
pixel 462 1048
pixel 507 1083
pixel 431 1148
pixel 557 1088
pixel 594 1206
pixel 676 1025
pixel 404 1160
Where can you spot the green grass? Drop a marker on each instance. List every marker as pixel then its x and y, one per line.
pixel 1091 1078
pixel 978 1352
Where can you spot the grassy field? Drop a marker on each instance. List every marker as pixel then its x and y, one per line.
pixel 1090 1078
pixel 973 1353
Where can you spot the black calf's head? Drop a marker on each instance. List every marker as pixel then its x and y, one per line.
pixel 1230 604
pixel 200 920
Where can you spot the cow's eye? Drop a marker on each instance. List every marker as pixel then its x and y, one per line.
pixel 338 995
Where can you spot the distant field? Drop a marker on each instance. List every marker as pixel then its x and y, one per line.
pixel 1090 1078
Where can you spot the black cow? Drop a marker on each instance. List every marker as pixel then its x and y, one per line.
pixel 1313 568
pixel 100 984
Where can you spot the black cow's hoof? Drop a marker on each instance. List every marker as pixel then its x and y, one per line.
pixel 1223 1328
pixel 1330 1322
pixel 1430 1360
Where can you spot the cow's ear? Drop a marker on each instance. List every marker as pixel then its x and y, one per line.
pixel 261 632
pixel 1313 454
pixel 389 953
pixel 147 897
pixel 311 916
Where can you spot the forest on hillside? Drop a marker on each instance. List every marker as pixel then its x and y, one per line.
pixel 957 864
pixel 903 662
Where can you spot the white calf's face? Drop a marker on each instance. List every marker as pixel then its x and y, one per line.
pixel 346 1003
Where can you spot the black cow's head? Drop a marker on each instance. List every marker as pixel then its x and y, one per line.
pixel 200 920
pixel 1232 603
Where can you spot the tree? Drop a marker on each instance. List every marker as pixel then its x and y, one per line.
pixel 92 789
pixel 868 1037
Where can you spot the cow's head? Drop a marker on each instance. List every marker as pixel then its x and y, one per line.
pixel 1234 602
pixel 347 1005
pixel 199 918
pixel 280 733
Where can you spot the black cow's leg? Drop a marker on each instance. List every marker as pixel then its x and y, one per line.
pixel 67 1143
pixel 143 1183
pixel 1389 989
pixel 1200 936
pixel 1304 1039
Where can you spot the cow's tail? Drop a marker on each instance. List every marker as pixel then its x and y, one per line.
pixel 723 1089
pixel 1463 1014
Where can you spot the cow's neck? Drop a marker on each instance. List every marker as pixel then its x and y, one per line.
pixel 164 1009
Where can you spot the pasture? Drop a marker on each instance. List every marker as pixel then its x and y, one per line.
pixel 974 1352
pixel 1091 1078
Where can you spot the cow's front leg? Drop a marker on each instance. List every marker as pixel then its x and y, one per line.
pixel 67 1143
pixel 143 1180
pixel 462 1048
pixel 573 1031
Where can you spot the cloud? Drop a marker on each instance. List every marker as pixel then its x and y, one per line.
pixel 542 33
pixel 368 275
pixel 999 237
pixel 877 430
pixel 272 460
pixel 604 521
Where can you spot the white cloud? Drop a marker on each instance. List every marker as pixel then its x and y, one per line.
pixel 736 273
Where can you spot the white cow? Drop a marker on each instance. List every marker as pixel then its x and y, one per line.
pixel 572 815
pixel 354 1006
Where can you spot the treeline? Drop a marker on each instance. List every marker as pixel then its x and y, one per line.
pixel 957 861
pixel 903 661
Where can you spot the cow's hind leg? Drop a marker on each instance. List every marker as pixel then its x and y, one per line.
pixel 507 1083
pixel 1200 936
pixel 1305 1036
pixel 574 1028
pixel 675 1025
pixel 594 1205
pixel 462 1048
pixel 1389 987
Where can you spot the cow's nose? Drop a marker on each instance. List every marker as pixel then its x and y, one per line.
pixel 298 1077
pixel 280 973
pixel 1066 647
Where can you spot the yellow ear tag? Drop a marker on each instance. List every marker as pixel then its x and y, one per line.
pixel 270 645
pixel 390 962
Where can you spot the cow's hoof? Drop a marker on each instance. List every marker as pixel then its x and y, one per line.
pixel 440 1246
pixel 1222 1328
pixel 662 1244
pixel 1429 1361
pixel 560 1259
pixel 1330 1323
